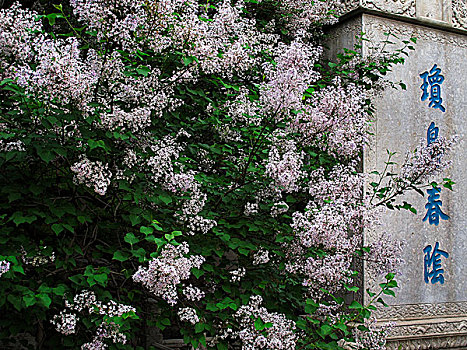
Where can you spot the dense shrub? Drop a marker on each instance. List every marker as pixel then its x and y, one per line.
pixel 192 167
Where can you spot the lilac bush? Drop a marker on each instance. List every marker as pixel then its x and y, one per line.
pixel 193 167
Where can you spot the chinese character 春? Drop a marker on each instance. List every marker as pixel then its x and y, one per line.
pixel 432 260
pixel 432 133
pixel 433 80
pixel 433 207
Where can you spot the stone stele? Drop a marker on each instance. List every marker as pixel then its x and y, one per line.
pixel 429 315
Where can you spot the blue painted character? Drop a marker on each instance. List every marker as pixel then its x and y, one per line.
pixel 433 79
pixel 433 269
pixel 433 207
pixel 432 133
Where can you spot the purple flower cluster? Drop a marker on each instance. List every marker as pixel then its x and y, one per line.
pixel 4 267
pixel 86 301
pixel 279 336
pixel 166 271
pixel 92 174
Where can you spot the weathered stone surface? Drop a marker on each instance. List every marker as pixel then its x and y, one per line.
pixel 430 316
pixel 402 121
pixel 451 12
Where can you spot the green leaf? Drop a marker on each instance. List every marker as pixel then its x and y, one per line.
pixel 18 218
pixel 101 278
pixel 199 327
pixel 197 272
pixel 45 154
pixel 143 70
pixel 96 144
pixel 57 228
pixel 259 324
pixel 326 329
pixel 222 346
pixel 45 299
pixel 120 256
pixel 146 230
pixel 355 305
pixel 389 292
pixel 29 300
pixel 243 251
pixel 352 289
pixel 131 238
pixel 165 198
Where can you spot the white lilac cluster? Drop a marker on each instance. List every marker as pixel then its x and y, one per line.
pixel 166 271
pixel 86 301
pixel 105 331
pixel 280 336
pixel 261 257
pixel 4 267
pixel 288 79
pixel 279 208
pixel 330 273
pixel 75 78
pixel 251 209
pixel 162 153
pixel 227 32
pixel 200 224
pixel 343 185
pixel 334 220
pixel 39 259
pixel 111 25
pixel 237 274
pixel 8 146
pixel 17 27
pixel 188 314
pixel 327 227
pixel 65 323
pixel 57 70
pixel 304 15
pixel 284 165
pixel 335 120
pixel 95 344
pixel 135 120
pixel 425 161
pixel 193 293
pixel 92 174
pixel 385 255
pixel 242 110
pixel 375 338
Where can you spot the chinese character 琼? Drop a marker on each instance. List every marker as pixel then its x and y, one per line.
pixel 432 133
pixel 433 79
pixel 433 207
pixel 433 262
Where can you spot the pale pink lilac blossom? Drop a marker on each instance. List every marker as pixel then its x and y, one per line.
pixel 86 301
pixel 279 336
pixel 188 314
pixel 193 293
pixel 166 272
pixel 4 267
pixel 65 323
pixel 92 174
pixel 261 257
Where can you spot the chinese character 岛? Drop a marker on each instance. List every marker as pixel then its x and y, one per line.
pixel 432 133
pixel 432 262
pixel 433 207
pixel 433 79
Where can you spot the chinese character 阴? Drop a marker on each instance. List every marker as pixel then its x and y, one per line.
pixel 433 81
pixel 433 270
pixel 433 207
